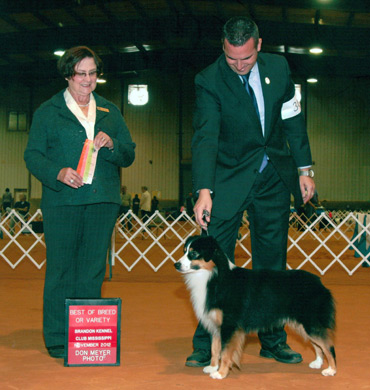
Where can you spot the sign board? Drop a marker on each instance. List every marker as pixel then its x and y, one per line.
pixel 93 332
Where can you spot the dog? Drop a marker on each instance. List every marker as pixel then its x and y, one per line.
pixel 231 302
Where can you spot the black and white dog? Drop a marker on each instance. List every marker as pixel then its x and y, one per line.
pixel 231 302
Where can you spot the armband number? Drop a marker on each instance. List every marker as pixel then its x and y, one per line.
pixel 290 108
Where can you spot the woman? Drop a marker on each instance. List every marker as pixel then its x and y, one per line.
pixel 78 217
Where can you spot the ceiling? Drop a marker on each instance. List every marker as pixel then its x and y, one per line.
pixel 173 35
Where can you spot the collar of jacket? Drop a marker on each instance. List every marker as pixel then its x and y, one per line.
pixel 235 85
pixel 59 102
pixel 233 81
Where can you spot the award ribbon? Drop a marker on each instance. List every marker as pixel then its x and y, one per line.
pixel 87 163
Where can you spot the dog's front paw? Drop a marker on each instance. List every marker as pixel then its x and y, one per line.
pixel 316 364
pixel 216 375
pixel 329 372
pixel 210 369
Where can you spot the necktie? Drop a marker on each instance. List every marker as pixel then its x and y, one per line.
pixel 250 91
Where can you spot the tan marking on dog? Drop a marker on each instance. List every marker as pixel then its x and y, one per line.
pixel 231 355
pixel 207 265
pixel 216 350
pixel 298 328
pixel 217 316
pixel 321 347
pixel 325 346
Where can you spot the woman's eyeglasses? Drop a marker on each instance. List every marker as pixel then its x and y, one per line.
pixel 93 74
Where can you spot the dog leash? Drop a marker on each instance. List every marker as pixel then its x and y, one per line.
pixel 204 231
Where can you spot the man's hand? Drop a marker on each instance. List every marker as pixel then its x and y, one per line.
pixel 307 187
pixel 202 208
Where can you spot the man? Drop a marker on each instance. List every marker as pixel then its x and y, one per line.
pixel 126 203
pixel 22 207
pixel 145 203
pixel 155 204
pixel 136 204
pixel 242 161
pixel 7 199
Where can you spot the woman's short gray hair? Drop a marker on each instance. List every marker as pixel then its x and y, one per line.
pixel 68 61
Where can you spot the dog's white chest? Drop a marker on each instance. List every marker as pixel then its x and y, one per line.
pixel 197 285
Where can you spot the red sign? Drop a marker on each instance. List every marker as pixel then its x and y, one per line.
pixel 93 333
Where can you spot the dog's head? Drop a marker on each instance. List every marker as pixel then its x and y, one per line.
pixel 199 253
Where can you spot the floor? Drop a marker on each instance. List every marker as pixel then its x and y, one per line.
pixel 157 327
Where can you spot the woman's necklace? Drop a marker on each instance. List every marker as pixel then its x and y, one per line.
pixel 83 105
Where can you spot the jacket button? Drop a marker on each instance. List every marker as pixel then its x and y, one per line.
pixel 94 191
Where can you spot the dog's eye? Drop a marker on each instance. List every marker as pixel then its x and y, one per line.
pixel 193 255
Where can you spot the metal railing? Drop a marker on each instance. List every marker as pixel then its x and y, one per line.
pixel 321 242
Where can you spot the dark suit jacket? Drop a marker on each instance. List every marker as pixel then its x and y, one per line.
pixel 228 144
pixel 56 140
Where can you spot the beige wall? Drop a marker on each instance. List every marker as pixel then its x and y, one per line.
pixel 13 173
pixel 337 118
pixel 155 130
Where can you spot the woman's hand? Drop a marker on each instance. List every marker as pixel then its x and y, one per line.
pixel 102 140
pixel 70 177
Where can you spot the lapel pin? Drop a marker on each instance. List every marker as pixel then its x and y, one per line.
pixel 267 80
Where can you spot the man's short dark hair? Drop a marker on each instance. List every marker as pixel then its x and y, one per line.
pixel 67 63
pixel 239 29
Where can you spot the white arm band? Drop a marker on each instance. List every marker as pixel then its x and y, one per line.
pixel 290 108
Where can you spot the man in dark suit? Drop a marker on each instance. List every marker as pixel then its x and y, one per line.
pixel 250 152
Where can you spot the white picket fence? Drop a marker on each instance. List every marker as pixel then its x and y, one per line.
pixel 327 240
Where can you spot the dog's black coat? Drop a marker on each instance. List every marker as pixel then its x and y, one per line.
pixel 260 299
pixel 257 300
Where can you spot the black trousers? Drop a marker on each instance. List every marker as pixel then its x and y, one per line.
pixel 268 207
pixel 77 239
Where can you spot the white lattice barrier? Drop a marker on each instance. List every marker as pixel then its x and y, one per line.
pixel 19 240
pixel 322 242
pixel 341 239
pixel 156 241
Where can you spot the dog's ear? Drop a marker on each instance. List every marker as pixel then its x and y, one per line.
pixel 214 252
pixel 189 241
pixel 205 246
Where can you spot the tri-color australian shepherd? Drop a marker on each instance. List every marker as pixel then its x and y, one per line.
pixel 231 302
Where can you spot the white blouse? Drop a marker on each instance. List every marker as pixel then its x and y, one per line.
pixel 88 122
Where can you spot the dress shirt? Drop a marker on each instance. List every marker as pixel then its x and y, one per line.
pixel 255 83
pixel 88 122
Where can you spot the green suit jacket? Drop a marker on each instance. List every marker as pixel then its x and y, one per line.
pixel 56 140
pixel 228 144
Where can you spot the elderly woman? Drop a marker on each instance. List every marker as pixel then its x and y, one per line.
pixel 79 207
